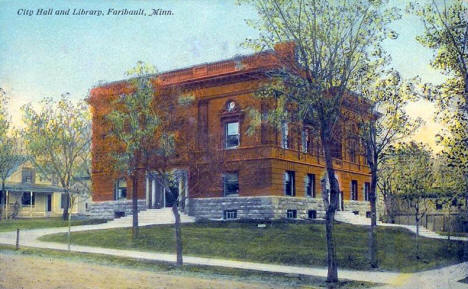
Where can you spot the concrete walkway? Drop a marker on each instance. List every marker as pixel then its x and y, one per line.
pixel 29 238
pixel 443 278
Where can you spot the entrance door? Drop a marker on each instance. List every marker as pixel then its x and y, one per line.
pixel 172 196
pixel 49 203
pixel 340 201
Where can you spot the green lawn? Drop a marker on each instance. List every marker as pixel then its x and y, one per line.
pixel 281 243
pixel 37 223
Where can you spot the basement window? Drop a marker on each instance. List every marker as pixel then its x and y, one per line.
pixel 230 214
pixel 291 214
pixel 312 214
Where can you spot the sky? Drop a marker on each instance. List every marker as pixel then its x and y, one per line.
pixel 47 55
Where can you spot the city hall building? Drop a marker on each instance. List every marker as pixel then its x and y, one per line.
pixel 272 173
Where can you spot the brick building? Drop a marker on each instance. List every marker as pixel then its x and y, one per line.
pixel 270 173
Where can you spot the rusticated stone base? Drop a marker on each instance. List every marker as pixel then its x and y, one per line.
pixel 266 207
pixel 109 209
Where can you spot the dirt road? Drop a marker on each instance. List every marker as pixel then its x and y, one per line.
pixel 30 272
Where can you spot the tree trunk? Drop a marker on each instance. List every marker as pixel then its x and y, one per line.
pixel 135 206
pixel 3 202
pixel 178 233
pixel 417 233
pixel 65 208
pixel 373 227
pixel 69 225
pixel 465 251
pixel 331 206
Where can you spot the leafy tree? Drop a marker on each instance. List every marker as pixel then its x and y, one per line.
pixel 335 42
pixel 446 33
pixel 153 129
pixel 133 124
pixel 388 123
pixel 10 148
pixel 450 183
pixel 413 179
pixel 57 137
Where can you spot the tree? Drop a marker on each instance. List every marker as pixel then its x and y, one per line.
pixel 134 122
pixel 450 183
pixel 388 123
pixel 387 189
pixel 57 137
pixel 10 149
pixel 334 43
pixel 413 179
pixel 446 33
pixel 154 131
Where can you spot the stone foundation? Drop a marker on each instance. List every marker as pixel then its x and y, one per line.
pixel 266 207
pixel 109 209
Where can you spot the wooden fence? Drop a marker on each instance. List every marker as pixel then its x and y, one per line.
pixel 436 222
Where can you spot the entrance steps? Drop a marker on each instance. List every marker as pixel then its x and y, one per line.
pixel 152 217
pixel 351 218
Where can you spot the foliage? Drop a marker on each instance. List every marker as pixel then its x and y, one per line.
pixel 446 33
pixel 58 136
pixel 10 147
pixel 134 121
pixel 389 122
pixel 58 139
pixel 335 45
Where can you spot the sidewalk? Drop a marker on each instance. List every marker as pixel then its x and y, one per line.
pixel 29 238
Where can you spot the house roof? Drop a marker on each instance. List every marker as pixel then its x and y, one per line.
pixel 27 187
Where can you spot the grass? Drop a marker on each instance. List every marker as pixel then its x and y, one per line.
pixel 207 272
pixel 281 243
pixel 37 223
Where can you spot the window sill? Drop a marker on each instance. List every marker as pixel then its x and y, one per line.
pixel 231 148
pixel 231 195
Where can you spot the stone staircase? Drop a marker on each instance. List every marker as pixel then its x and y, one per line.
pixel 152 217
pixel 351 218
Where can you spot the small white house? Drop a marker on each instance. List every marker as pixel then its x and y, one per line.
pixel 29 196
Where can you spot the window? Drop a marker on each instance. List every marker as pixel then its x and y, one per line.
pixel 120 189
pixel 232 134
pixel 305 140
pixel 27 175
pixel 368 214
pixel 289 184
pixel 26 199
pixel 231 183
pixel 335 148
pixel 64 201
pixel 291 214
pixel 366 191
pixel 312 214
pixel 352 151
pixel 230 214
pixel 354 190
pixel 310 185
pixel 284 135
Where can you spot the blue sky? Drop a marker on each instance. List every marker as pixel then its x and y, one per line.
pixel 48 55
